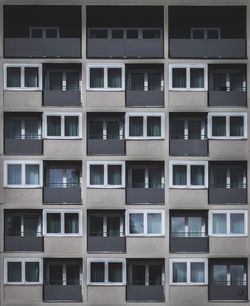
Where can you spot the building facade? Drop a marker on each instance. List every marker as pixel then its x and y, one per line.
pixel 124 152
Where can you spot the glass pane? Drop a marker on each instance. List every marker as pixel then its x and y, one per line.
pixel 194 129
pixel 220 274
pixel 96 78
pixel 152 34
pixel 219 81
pixel 71 223
pixel 155 275
pixel 37 33
pixel 13 226
pixel 137 81
pixel 237 223
pixel 154 223
pixel 197 175
pixel 138 178
pixel 98 33
pixel 220 177
pixel 177 226
pixel 72 80
pixel 32 272
pixel 179 272
pixel 96 174
pixel 237 275
pixel 54 223
pixel 97 272
pixel 114 174
pixel 54 126
pixel 55 80
pixel 196 77
pixel 154 178
pixel 195 227
pixel 113 130
pixel 236 81
pixel 31 225
pixel 73 274
pixel 51 33
pixel 197 272
pixel 14 128
pixel 177 129
pixel 32 175
pixel 72 177
pixel 138 275
pixel 219 223
pixel 31 129
pixel 154 81
pixel 198 34
pixel 179 175
pixel 96 226
pixel 113 226
pixel 71 126
pixel 55 178
pixel 179 78
pixel 115 272
pixel 237 178
pixel 13 77
pixel 14 174
pixel 136 225
pixel 14 272
pixel 237 126
pixel 95 130
pixel 55 274
pixel 219 126
pixel 154 126
pixel 31 77
pixel 117 34
pixel 114 77
pixel 132 34
pixel 136 126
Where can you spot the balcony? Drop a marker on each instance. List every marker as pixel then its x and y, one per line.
pixel 123 33
pixel 197 37
pixel 227 85
pixel 30 39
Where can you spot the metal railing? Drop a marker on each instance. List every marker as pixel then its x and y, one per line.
pixel 143 186
pixel 229 88
pixel 145 283
pixel 228 283
pixel 63 185
pixel 229 186
pixel 145 88
pixel 105 137
pixel 24 233
pixel 189 137
pixel 18 137
pixel 105 234
pixel 188 234
pixel 63 282
pixel 59 87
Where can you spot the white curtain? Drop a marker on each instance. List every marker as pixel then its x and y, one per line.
pixel 179 272
pixel 236 126
pixel 179 78
pixel 71 126
pixel 13 77
pixel 179 175
pixel 136 126
pixel 195 226
pixel 154 126
pixel 219 126
pixel 154 223
pixel 115 272
pixel 14 272
pixel 96 78
pixel 114 77
pixel 71 223
pixel 197 175
pixel 54 126
pixel 237 223
pixel 32 271
pixel 31 77
pixel 14 174
pixel 114 174
pixel 178 226
pixel 219 223
pixel 197 272
pixel 32 174
pixel 55 177
pixel 136 224
pixel 96 174
pixel 197 78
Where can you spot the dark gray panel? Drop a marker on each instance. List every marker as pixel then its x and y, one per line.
pixel 228 293
pixel 61 98
pixel 106 244
pixel 189 244
pixel 145 195
pixel 188 147
pixel 61 195
pixel 28 243
pixel 226 195
pixel 106 146
pixel 62 293
pixel 227 98
pixel 144 98
pixel 145 293
pixel 23 146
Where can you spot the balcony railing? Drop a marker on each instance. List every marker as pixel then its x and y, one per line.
pixel 142 292
pixel 227 96
pixel 228 290
pixel 138 193
pixel 189 242
pixel 28 241
pixel 23 144
pixel 100 144
pixel 101 242
pixel 62 193
pixel 227 193
pixel 145 98
pixel 62 96
pixel 188 145
pixel 62 291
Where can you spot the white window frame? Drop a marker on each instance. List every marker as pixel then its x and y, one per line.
pixel 23 164
pixel 22 81
pixel 188 262
pixel 205 30
pixel 144 116
pixel 188 164
pixel 106 164
pixel 62 213
pixel 44 31
pixel 227 116
pixel 106 261
pixel 228 214
pixel 62 116
pixel 23 261
pixel 188 67
pixel 145 212
pixel 105 68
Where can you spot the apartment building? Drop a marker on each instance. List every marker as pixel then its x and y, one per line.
pixel 124 152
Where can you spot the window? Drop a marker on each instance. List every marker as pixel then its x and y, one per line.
pixel 145 223
pixel 109 128
pixel 188 271
pixel 22 77
pixel 111 225
pixel 141 80
pixel 188 77
pixel 205 33
pixel 44 32
pixel 228 222
pixel 227 125
pixel 188 174
pixel 63 80
pixel 229 81
pixel 23 128
pixel 63 125
pixel 191 128
pixel 23 174
pixel 62 222
pixel 26 271
pixel 192 225
pixel 28 224
pixel 106 174
pixel 146 176
pixel 106 77
pixel 63 178
pixel 106 271
pixel 144 126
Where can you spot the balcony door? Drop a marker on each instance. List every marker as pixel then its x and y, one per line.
pixel 145 177
pixel 63 80
pixel 145 274
pixel 106 226
pixel 63 274
pixel 63 178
